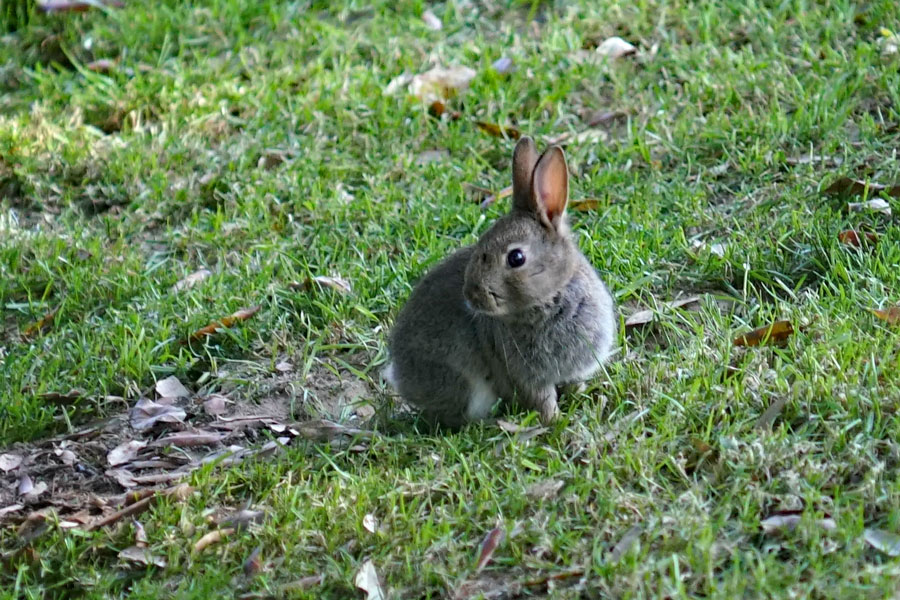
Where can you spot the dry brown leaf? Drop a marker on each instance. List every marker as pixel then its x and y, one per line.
pixel 771 413
pixel 616 47
pixel 57 6
pixel 625 543
pixel 123 477
pixel 874 205
pixel 188 439
pixel 432 156
pixel 60 398
pixel 124 452
pixel 102 65
pixel 776 333
pixel 846 186
pixel 8 462
pixel 605 117
pixel 642 317
pixel 229 321
pixel 585 205
pixel 321 430
pixel 170 387
pixel 440 83
pixel 191 280
pixel 214 405
pixel 140 535
pixel 367 580
pixel 882 540
pixel 891 315
pixel 147 413
pixel 507 191
pixel 299 585
pixel 10 509
pixel 498 130
pixel 369 523
pixel 253 565
pixel 491 541
pixel 30 490
pixel 502 65
pixel 142 556
pixel 544 490
pixel 783 521
pixel 431 20
pixel 67 457
pixel 213 537
pixel 337 284
pixel 855 238
pixel 25 485
pixel 242 519
pixel 438 108
pixel 40 326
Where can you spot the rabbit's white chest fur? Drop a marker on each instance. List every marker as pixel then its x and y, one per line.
pixel 481 399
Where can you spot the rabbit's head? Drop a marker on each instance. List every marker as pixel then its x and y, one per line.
pixel 527 258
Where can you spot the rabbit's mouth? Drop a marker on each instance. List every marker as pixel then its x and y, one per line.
pixel 486 302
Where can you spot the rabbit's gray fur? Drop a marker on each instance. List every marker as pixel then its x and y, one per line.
pixel 476 329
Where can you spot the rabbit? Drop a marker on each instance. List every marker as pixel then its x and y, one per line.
pixel 512 317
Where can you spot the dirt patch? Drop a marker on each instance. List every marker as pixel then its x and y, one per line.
pixel 86 476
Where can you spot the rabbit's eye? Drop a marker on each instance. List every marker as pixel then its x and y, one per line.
pixel 515 258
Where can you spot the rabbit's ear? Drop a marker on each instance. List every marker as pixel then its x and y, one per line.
pixel 551 186
pixel 524 158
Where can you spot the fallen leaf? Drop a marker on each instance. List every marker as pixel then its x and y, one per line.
pixel 34 525
pixel 367 581
pixel 40 326
pixel 642 317
pixel 788 520
pixel 846 186
pixel 253 565
pixel 25 485
pixel 321 430
pixel 304 583
pixel 491 541
pixel 213 537
pixel 337 284
pixel 8 462
pixel 170 387
pixel 891 315
pixel 874 205
pixel 214 404
pixel 432 156
pixel 271 159
pixel 882 540
pixel 124 452
pixel 625 543
pixel 142 556
pixel 56 6
pixel 103 65
pixel 603 117
pixel 147 413
pixel 502 65
pixel 10 509
pixel 544 490
pixel 498 130
pixel 140 535
pixel 60 398
pixel 229 321
pixel 809 159
pixel 242 519
pixel 67 457
pixel 370 523
pixel 775 333
pixel 440 83
pixel 188 439
pixel 718 249
pixel 142 502
pixel 507 191
pixel 191 280
pixel 431 20
pixel 854 238
pixel 774 409
pixel 585 205
pixel 123 477
pixel 616 47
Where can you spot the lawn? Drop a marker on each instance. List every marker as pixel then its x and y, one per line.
pixel 276 144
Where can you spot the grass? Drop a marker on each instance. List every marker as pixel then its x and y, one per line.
pixel 115 186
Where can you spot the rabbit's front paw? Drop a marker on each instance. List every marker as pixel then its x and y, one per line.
pixel 544 402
